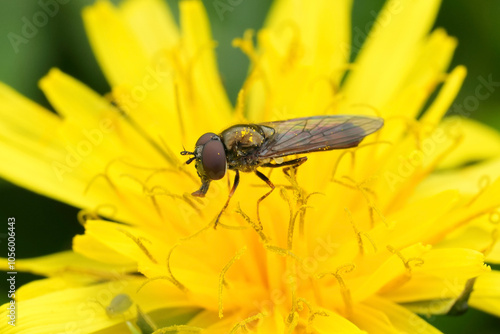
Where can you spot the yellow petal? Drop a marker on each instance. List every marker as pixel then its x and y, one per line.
pixel 121 56
pixel 324 32
pixel 301 59
pixel 57 283
pixel 445 97
pixel 212 324
pixel 84 308
pixel 139 82
pixel 401 318
pixel 469 181
pixel 480 142
pixel 493 250
pixel 16 109
pixel 442 275
pixel 66 262
pixel 389 51
pixel 93 249
pixel 28 151
pixel 486 293
pixel 324 324
pixel 210 96
pixel 152 24
pixel 372 320
pixel 389 274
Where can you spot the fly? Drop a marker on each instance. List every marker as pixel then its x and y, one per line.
pixel 246 147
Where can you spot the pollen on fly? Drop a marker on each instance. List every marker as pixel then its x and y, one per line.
pixel 246 147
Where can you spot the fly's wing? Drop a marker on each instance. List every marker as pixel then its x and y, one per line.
pixel 318 133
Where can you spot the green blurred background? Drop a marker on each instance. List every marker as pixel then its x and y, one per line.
pixel 45 226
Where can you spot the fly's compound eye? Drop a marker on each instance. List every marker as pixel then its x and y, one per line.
pixel 213 158
pixel 205 138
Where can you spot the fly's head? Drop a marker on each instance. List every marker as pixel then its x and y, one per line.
pixel 210 160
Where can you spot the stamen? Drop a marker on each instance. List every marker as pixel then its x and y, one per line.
pixel 356 232
pixel 145 191
pixel 124 161
pixel 372 217
pixel 364 190
pixel 344 184
pixel 223 273
pixel 243 324
pixel 456 143
pixel 494 239
pixel 161 191
pixel 283 252
pixel 291 225
pixel 135 179
pixel 344 290
pixel 301 200
pixel 303 212
pixel 185 71
pixel 483 183
pixel 169 268
pixel 168 278
pixel 179 111
pixel 332 85
pixel 367 236
pixel 293 288
pixel 84 215
pixel 169 157
pixel 194 235
pixel 294 51
pixel 412 126
pixel 473 216
pixel 156 170
pixel 337 163
pixel 240 106
pixel 494 217
pixel 291 221
pixel 261 234
pixel 177 328
pixel 312 315
pixel 246 45
pixel 105 177
pixel 99 210
pixel 232 227
pixel 301 301
pixel 139 243
pixel 293 322
pixel 418 261
pixel 180 166
pixel 352 152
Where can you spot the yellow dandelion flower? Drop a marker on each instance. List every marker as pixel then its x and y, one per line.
pixel 356 240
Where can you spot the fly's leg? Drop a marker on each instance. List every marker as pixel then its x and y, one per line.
pixel 235 184
pixel 293 164
pixel 270 184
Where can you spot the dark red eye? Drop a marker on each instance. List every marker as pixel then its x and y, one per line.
pixel 206 137
pixel 213 158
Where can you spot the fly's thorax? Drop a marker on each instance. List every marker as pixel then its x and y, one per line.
pixel 242 139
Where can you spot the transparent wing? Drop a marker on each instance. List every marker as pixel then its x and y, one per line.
pixel 318 133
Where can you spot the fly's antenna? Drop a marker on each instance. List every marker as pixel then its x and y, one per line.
pixel 188 153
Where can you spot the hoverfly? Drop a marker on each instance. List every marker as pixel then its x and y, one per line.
pixel 246 147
